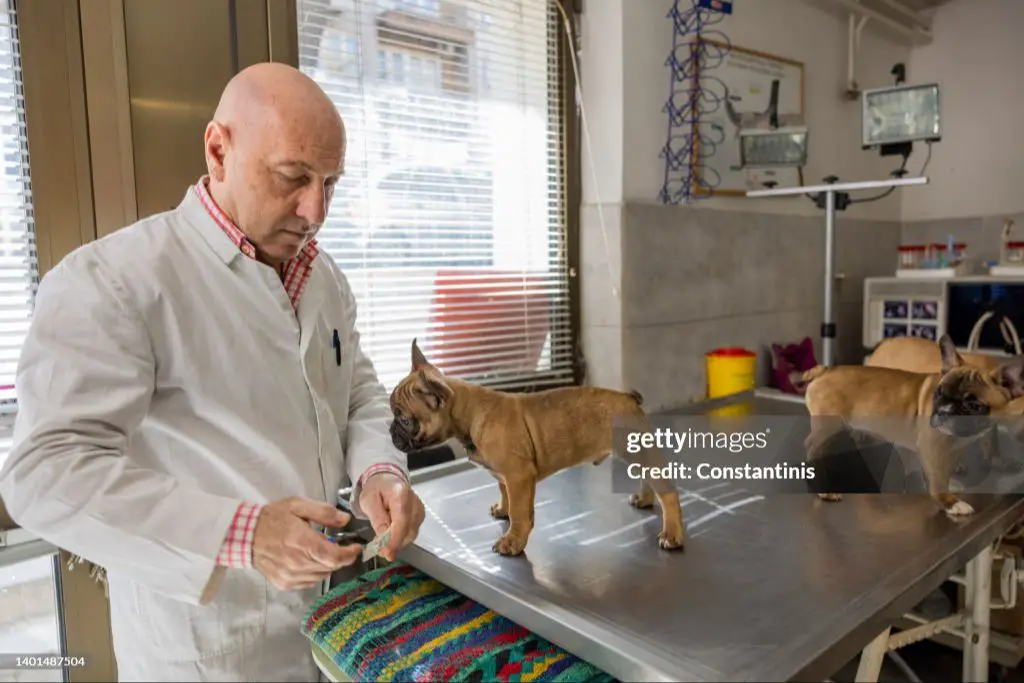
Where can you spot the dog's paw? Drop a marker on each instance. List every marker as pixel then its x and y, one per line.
pixel 641 501
pixel 499 512
pixel 960 509
pixel 671 539
pixel 509 546
pixel 831 497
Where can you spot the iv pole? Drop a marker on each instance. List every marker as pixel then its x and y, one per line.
pixel 834 194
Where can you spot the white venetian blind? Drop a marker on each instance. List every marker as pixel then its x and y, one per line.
pixel 18 267
pixel 449 223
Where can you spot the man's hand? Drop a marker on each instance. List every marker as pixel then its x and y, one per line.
pixel 389 501
pixel 290 553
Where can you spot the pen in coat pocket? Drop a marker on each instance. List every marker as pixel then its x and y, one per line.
pixel 336 342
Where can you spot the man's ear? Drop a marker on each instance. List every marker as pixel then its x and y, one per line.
pixel 434 391
pixel 1010 376
pixel 419 361
pixel 216 141
pixel 950 358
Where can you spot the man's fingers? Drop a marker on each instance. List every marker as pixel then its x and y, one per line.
pixel 304 586
pixel 286 579
pixel 306 578
pixel 373 506
pixel 414 526
pixel 319 513
pixel 400 510
pixel 331 555
pixel 291 582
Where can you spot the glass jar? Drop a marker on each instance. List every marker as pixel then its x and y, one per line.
pixel 1015 252
pixel 935 256
pixel 910 256
pixel 959 253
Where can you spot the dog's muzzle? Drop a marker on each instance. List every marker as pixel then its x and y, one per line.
pixel 400 438
pixel 950 418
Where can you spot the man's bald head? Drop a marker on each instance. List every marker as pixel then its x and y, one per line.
pixel 275 96
pixel 274 150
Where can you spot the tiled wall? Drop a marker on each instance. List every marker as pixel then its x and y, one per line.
pixel 692 279
pixel 981 234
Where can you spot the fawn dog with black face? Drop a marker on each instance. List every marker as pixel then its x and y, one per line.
pixel 522 439
pixel 940 409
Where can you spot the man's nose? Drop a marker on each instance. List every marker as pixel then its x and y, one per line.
pixel 313 207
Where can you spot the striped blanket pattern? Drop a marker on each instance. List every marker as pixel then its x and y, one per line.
pixel 397 624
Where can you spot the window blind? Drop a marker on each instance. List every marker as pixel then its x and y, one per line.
pixel 450 220
pixel 18 266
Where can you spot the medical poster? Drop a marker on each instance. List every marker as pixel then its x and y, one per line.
pixel 735 89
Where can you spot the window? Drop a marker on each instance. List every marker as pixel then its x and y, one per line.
pixel 341 53
pixel 450 220
pixel 18 270
pixel 424 6
pixel 28 609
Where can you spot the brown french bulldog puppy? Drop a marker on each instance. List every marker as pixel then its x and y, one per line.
pixel 522 439
pixel 940 409
pixel 915 354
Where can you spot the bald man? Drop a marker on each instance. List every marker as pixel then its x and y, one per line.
pixel 192 395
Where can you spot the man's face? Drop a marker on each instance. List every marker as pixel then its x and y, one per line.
pixel 280 183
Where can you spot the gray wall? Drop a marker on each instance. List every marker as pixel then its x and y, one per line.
pixel 683 290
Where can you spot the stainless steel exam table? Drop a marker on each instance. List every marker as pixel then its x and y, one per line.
pixel 769 588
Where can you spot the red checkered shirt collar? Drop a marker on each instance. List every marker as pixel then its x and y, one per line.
pixel 294 273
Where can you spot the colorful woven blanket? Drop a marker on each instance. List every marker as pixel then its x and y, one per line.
pixel 398 624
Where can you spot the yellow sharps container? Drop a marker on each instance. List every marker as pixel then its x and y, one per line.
pixel 730 370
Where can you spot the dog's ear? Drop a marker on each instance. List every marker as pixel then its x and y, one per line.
pixel 419 361
pixel 950 358
pixel 1010 376
pixel 434 391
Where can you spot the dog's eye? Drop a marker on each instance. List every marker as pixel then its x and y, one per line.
pixel 404 421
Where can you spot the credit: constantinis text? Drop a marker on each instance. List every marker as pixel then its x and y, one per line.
pixel 707 472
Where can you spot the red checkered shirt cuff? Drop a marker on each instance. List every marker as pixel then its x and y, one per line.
pixel 236 550
pixel 380 468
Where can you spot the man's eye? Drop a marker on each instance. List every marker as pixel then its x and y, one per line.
pixel 292 180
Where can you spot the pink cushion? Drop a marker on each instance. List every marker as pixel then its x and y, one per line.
pixel 788 359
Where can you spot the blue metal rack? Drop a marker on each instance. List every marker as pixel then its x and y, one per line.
pixel 688 146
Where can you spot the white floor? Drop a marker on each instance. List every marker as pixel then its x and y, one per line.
pixel 23 572
pixel 33 635
pixel 30 676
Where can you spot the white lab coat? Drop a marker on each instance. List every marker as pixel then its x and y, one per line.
pixel 166 378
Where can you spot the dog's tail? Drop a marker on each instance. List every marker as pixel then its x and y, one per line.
pixel 870 356
pixel 800 380
pixel 636 396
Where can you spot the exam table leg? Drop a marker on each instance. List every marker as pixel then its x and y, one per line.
pixel 977 603
pixel 870 666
